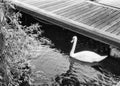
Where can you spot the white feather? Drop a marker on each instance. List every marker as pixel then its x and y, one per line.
pixel 86 56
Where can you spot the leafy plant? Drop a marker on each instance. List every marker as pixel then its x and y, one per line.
pixel 14 66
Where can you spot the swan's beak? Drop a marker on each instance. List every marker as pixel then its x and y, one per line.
pixel 71 41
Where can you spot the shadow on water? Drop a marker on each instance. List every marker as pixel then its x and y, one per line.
pixel 55 66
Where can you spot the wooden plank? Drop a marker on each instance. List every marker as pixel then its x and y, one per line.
pixel 73 10
pixel 52 4
pixel 63 11
pixel 116 32
pixel 62 5
pixel 41 2
pixel 86 14
pixel 114 27
pixel 62 8
pixel 86 17
pixel 98 17
pixel 83 11
pixel 29 1
pixel 111 22
pixel 76 10
pixel 92 19
pixel 105 18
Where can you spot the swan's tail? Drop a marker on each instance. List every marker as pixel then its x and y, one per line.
pixel 103 57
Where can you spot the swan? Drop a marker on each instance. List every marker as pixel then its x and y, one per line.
pixel 85 56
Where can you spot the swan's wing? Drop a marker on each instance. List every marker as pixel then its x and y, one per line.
pixel 85 56
pixel 88 56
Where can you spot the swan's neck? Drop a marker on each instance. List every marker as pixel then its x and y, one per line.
pixel 73 48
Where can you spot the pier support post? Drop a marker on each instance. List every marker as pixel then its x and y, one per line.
pixel 114 51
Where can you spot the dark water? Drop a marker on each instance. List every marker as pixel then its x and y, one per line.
pixel 55 67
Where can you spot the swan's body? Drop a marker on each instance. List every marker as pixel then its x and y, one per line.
pixel 86 56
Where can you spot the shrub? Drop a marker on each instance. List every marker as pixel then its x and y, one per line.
pixel 14 67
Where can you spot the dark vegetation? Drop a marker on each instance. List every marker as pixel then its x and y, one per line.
pixel 15 70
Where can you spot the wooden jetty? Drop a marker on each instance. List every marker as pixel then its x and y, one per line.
pixel 92 19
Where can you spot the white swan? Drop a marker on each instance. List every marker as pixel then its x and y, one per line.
pixel 86 56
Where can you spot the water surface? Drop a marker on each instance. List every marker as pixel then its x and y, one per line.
pixel 54 66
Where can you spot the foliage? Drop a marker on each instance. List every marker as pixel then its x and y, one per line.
pixel 14 67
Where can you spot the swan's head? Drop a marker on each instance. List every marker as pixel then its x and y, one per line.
pixel 73 39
